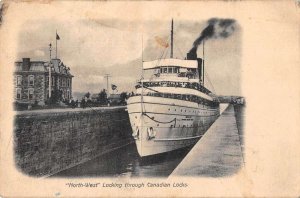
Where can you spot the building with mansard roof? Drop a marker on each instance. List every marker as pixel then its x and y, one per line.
pixel 31 83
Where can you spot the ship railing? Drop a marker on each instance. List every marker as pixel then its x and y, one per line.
pixel 185 97
pixel 189 85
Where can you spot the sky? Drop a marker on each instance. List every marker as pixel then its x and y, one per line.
pixel 93 48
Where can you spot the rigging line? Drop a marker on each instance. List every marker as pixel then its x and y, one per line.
pixel 152 118
pixel 151 89
pixel 142 97
pixel 142 77
pixel 167 49
pixel 210 81
pixel 166 54
pixel 178 49
pixel 158 61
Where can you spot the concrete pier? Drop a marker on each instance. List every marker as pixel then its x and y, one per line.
pixel 218 153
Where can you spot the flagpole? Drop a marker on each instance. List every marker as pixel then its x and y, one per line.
pixel 171 54
pixel 56 44
pixel 50 78
pixel 142 55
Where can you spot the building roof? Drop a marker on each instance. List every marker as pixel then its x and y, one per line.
pixel 34 66
pixel 41 66
pixel 170 62
pixel 95 96
pixel 114 96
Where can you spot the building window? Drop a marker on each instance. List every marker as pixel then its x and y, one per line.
pixel 169 69
pixel 165 70
pixel 31 80
pixel 68 94
pixel 30 93
pixel 176 70
pixel 19 80
pixel 18 93
pixel 58 82
pixel 52 81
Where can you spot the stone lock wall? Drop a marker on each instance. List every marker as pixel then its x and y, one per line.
pixel 46 143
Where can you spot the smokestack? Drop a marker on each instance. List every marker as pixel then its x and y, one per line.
pixel 26 64
pixel 192 54
pixel 200 66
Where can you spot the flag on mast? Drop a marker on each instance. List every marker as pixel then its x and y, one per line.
pixel 161 42
pixel 113 87
pixel 57 38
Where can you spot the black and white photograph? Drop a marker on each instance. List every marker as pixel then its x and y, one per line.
pixel 82 111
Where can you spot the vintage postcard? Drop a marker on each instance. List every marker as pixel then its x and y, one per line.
pixel 150 99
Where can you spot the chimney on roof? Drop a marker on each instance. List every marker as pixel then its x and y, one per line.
pixel 26 64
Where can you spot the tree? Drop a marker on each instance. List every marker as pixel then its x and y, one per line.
pixel 103 97
pixel 87 95
pixel 123 97
pixel 56 96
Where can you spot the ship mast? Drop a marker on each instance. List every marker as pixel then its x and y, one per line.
pixel 203 64
pixel 171 54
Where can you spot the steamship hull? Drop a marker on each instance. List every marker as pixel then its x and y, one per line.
pixel 164 124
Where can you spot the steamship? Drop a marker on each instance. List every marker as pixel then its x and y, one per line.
pixel 172 109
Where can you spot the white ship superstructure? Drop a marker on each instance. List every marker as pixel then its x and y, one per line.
pixel 171 109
